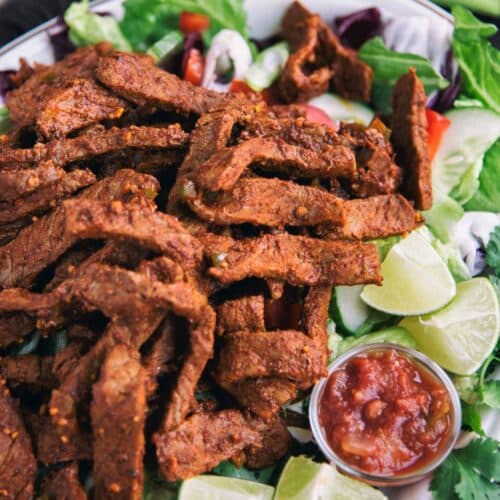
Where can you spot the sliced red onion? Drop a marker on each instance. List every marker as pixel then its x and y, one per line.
pixel 358 27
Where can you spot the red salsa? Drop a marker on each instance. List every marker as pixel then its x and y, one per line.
pixel 385 414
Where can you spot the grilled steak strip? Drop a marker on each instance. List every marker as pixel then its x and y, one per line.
pixel 246 313
pixel 375 217
pixel 27 103
pixel 263 396
pixel 43 198
pixel 156 231
pixel 18 183
pixel 317 58
pixel 118 413
pixel 296 259
pixel 135 78
pixel 64 151
pixel 202 442
pixel 63 484
pixel 17 463
pixel 28 370
pixel 409 137
pixel 14 328
pixel 224 168
pixel 272 203
pixel 82 103
pixel 281 353
pixel 315 318
pixel 42 243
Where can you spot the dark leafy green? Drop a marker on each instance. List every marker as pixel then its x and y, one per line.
pixel 389 65
pixel 471 418
pixel 493 251
pixel 470 473
pixel 479 61
pixel 228 469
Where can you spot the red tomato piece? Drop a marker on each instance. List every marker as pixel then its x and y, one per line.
pixel 436 127
pixel 317 115
pixel 190 22
pixel 195 64
pixel 241 87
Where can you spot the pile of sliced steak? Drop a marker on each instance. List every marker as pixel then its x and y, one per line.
pixel 167 256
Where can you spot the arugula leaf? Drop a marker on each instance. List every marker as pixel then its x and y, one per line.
pixel 389 65
pixel 487 196
pixel 469 473
pixel 493 251
pixel 478 60
pixel 86 28
pixel 146 21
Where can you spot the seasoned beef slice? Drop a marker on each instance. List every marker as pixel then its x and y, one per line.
pixel 17 463
pixel 135 78
pixel 281 353
pixel 81 103
pixel 155 231
pixel 409 137
pixel 246 313
pixel 63 484
pixel 319 58
pixel 296 259
pixel 223 169
pixel 61 152
pixel 202 442
pixel 44 198
pixel 27 102
pixel 118 413
pixel 42 243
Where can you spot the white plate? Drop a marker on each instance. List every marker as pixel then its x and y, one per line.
pixel 264 18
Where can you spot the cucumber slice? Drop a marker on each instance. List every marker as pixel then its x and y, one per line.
pixel 340 109
pixel 349 311
pixel 471 133
pixel 267 66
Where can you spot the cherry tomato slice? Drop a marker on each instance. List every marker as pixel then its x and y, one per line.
pixel 190 22
pixel 317 115
pixel 436 127
pixel 195 64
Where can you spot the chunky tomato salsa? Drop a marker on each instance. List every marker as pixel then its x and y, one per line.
pixel 385 414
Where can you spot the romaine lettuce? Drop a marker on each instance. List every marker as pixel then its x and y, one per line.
pixel 479 61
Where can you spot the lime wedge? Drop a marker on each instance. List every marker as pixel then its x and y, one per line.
pixel 223 488
pixel 463 334
pixel 416 280
pixel 303 479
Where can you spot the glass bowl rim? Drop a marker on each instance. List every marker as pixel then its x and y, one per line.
pixel 386 480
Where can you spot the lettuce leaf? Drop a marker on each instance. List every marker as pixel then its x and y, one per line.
pixel 389 65
pixel 487 196
pixel 86 28
pixel 146 21
pixel 478 60
pixel 5 123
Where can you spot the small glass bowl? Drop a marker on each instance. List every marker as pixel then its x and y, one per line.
pixel 396 479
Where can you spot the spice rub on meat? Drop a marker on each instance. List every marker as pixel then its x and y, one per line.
pixel 410 138
pixel 318 59
pixel 118 414
pixel 187 241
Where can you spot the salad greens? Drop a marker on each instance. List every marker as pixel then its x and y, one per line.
pixel 469 473
pixel 5 123
pixel 487 195
pixel 146 21
pixel 479 61
pixel 389 65
pixel 86 28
